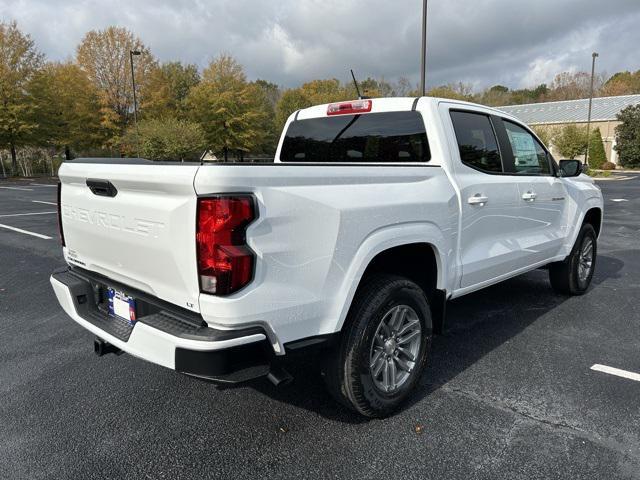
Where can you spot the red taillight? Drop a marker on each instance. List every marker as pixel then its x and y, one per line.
pixel 225 262
pixel 60 231
pixel 344 108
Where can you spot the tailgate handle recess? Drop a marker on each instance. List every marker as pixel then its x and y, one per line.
pixel 103 188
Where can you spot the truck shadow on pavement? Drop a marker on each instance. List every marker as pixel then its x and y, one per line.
pixel 477 324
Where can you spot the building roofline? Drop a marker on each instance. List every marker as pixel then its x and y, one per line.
pixel 521 105
pixel 564 122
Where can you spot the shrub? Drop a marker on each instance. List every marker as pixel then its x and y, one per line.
pixel 597 156
pixel 166 139
pixel 571 141
pixel 608 166
pixel 596 173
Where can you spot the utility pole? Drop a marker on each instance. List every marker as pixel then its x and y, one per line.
pixel 135 100
pixel 423 51
pixel 594 55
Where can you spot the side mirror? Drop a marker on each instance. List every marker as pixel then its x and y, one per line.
pixel 570 168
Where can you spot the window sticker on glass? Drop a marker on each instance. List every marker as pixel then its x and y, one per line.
pixel 530 157
pixel 524 149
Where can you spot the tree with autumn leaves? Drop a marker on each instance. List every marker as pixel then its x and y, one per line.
pixel 20 61
pixel 85 106
pixel 103 55
pixel 66 106
pixel 231 110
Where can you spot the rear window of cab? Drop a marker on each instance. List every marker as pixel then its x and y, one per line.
pixel 385 137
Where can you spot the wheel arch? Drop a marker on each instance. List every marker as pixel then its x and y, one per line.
pixel 591 211
pixel 594 217
pixel 415 251
pixel 416 261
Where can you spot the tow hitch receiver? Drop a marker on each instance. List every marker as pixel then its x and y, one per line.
pixel 101 348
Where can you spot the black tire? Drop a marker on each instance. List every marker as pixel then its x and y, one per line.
pixel 565 276
pixel 346 369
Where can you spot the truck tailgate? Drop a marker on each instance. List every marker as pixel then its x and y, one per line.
pixel 142 234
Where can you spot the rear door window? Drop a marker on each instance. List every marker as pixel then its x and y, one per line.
pixel 477 141
pixel 388 137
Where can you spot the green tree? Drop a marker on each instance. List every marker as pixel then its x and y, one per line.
pixel 495 96
pixel 571 141
pixel 290 101
pixel 228 108
pixel 529 95
pixel 66 106
pixel 327 91
pixel 271 91
pixel 166 89
pixel 597 155
pixel 19 62
pixel 267 100
pixel 628 136
pixel 166 139
pixel 104 56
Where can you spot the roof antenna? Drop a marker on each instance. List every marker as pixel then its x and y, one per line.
pixel 355 82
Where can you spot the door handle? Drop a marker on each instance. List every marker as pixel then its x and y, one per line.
pixel 529 196
pixel 478 199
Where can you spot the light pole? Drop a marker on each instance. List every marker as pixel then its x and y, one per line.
pixel 135 100
pixel 594 55
pixel 423 51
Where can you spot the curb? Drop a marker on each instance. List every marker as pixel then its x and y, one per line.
pixel 611 179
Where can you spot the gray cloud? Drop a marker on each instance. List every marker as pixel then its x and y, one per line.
pixel 482 42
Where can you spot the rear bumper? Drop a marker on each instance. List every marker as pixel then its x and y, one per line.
pixel 163 335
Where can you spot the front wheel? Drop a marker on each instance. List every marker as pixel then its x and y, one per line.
pixel 573 275
pixel 384 346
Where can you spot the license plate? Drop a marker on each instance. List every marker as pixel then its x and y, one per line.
pixel 121 305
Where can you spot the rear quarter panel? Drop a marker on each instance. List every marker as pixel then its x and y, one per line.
pixel 318 228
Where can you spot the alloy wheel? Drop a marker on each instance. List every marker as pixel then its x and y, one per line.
pixel 395 348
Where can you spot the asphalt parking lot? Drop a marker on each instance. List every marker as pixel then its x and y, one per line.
pixel 509 393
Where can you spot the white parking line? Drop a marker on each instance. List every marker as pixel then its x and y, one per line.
pixel 24 214
pixel 616 371
pixel 26 232
pixel 18 188
pixel 619 200
pixel 43 185
pixel 42 201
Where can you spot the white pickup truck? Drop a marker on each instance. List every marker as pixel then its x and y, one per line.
pixel 373 215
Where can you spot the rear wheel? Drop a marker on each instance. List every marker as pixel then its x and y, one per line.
pixel 384 346
pixel 573 275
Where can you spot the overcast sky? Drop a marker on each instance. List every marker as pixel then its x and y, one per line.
pixel 483 42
